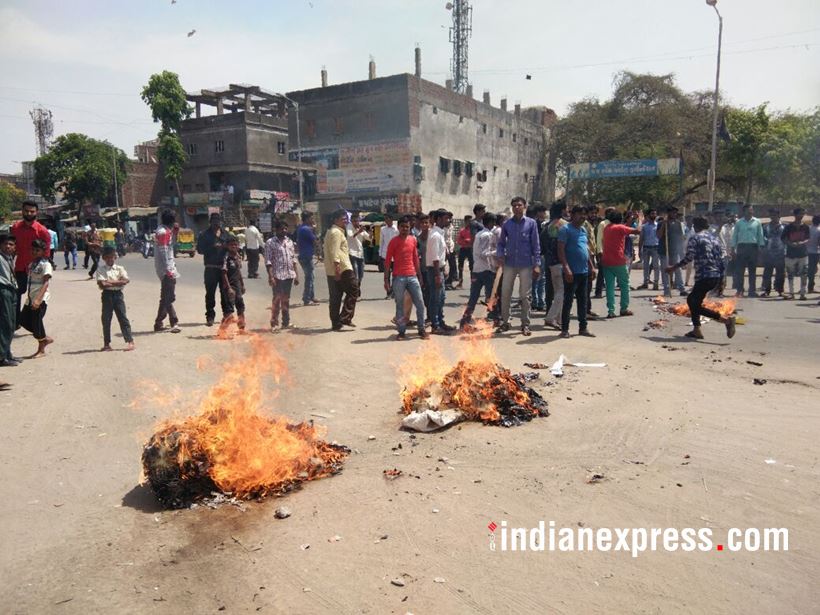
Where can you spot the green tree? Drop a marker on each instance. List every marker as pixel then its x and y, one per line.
pixel 743 156
pixel 81 169
pixel 11 198
pixel 166 98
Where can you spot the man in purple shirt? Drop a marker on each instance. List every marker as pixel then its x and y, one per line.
pixel 306 248
pixel 519 253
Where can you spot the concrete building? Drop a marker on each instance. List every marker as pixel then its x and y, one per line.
pixel 401 143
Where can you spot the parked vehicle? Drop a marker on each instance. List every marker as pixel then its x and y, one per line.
pixel 186 242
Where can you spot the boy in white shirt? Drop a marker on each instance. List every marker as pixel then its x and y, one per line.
pixel 111 278
pixel 37 297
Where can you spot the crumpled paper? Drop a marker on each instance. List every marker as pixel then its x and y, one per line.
pixel 431 420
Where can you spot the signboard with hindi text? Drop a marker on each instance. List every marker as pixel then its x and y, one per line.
pixel 650 167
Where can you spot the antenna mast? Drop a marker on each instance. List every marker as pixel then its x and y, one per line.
pixel 43 129
pixel 460 33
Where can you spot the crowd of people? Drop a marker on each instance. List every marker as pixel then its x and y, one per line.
pixel 559 258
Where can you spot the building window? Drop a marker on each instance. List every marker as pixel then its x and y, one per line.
pixel 508 173
pixel 192 149
pixel 484 128
pixel 460 119
pixel 500 133
pixel 468 168
pixel 515 137
pixel 444 165
pixel 457 166
pixel 219 146
pixel 435 110
pixel 338 126
pixel 185 187
pixel 200 187
pixel 526 141
pixel 526 177
pixel 495 169
pixel 310 128
pixel 280 147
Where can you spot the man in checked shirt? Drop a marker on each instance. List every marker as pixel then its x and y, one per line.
pixel 280 259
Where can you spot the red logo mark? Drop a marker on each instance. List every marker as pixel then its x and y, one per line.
pixel 492 526
pixel 720 547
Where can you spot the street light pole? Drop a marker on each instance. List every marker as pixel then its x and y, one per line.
pixel 298 146
pixel 116 190
pixel 713 166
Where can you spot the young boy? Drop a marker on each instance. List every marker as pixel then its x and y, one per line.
pixel 233 285
pixel 280 260
pixel 37 297
pixel 111 278
pixel 8 300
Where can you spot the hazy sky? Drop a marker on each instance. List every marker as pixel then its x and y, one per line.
pixel 87 60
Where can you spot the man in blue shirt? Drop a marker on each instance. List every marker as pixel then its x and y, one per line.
pixel 306 248
pixel 648 249
pixel 519 253
pixel 578 267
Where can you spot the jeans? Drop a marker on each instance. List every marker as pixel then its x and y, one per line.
pixel 620 274
pixel 524 275
pixel 95 262
pixel 73 252
pixel 813 259
pixel 539 288
pixel 22 289
pixel 343 295
pixel 437 297
pixel 8 320
pixel 483 280
pixel 213 280
pixel 650 262
pixel 452 268
pixel 464 254
pixel 113 302
pixel 599 281
pixel 797 267
pixel 674 257
pixel 358 267
pixel 746 259
pixel 308 291
pixel 776 263
pixel 556 273
pixel 281 302
pixel 167 296
pixel 409 283
pixel 696 297
pixel 577 289
pixel 253 262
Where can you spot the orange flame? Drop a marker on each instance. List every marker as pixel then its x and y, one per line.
pixel 724 308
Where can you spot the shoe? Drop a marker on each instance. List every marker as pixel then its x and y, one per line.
pixel 611 315
pixel 175 329
pixel 730 327
pixel 766 293
pixel 447 327
pixel 505 326
pixel 349 324
pixel 401 336
pixel 525 331
pixel 439 331
pixel 9 363
pixel 565 334
pixel 788 297
pixel 337 328
pixel 655 286
pixel 593 316
pixel 552 325
pixel 802 297
pixel 697 334
pixel 643 286
pixel 209 322
pixel 683 293
pixel 752 295
pixel 423 335
pixel 586 333
pixel 597 296
pixel 66 267
pixel 626 313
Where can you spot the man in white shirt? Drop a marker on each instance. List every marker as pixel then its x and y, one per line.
pixel 725 240
pixel 387 232
pixel 482 274
pixel 435 257
pixel 356 234
pixel 253 247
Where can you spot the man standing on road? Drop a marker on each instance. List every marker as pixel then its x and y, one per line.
pixel 166 268
pixel 93 248
pixel 671 248
pixel 342 283
pixel 25 231
pixel 8 299
pixel 482 274
pixel 253 247
pixel 356 234
pixel 464 239
pixel 813 249
pixel 707 255
pixel 614 262
pixel 747 239
pixel 210 245
pixel 306 247
pixel 648 250
pixel 796 235
pixel 519 253
pixel 280 260
pixel 578 267
pixel 386 234
pixel 727 230
pixel 403 261
pixel 436 257
pixel 553 267
pixel 774 255
pixel 599 243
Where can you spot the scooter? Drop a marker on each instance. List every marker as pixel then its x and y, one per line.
pixel 148 247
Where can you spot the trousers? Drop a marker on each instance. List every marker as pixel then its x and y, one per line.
pixel 113 302
pixel 343 295
pixel 167 296
pixel 618 274
pixel 746 260
pixel 213 280
pixel 577 289
pixel 409 283
pixel 695 298
pixel 524 275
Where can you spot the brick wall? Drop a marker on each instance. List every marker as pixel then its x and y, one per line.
pixel 143 185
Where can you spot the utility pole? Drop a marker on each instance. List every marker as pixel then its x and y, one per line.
pixel 298 147
pixel 460 33
pixel 116 190
pixel 713 166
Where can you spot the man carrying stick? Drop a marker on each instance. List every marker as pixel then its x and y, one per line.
pixel 707 255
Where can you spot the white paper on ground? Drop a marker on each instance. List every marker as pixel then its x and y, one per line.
pixel 587 364
pixel 430 420
pixel 557 368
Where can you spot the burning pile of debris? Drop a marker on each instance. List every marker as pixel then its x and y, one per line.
pixel 231 447
pixel 725 307
pixel 477 388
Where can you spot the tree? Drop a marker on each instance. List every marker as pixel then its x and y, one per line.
pixel 165 96
pixel 11 198
pixel 744 153
pixel 81 168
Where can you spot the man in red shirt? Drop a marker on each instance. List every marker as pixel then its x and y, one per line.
pixel 613 260
pixel 25 231
pixel 464 239
pixel 403 257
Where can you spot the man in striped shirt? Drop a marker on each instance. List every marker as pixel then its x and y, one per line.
pixel 280 260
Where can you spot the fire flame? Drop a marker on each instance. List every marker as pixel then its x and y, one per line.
pixel 232 446
pixel 724 308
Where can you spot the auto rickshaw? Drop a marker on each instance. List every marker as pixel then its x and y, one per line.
pixel 186 241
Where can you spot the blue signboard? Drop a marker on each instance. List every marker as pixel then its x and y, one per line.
pixel 651 167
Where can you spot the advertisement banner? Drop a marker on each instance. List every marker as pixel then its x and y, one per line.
pixel 651 167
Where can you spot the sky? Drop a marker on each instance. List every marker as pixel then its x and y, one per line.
pixel 87 60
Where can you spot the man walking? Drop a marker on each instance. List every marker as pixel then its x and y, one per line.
pixel 253 247
pixel 436 257
pixel 24 232
pixel 341 280
pixel 166 269
pixel 578 267
pixel 210 244
pixel 614 262
pixel 306 247
pixel 774 255
pixel 796 235
pixel 519 254
pixel 747 239
pixel 386 234
pixel 403 261
pixel 707 255
pixel 482 274
pixel 356 234
pixel 93 248
pixel 553 267
pixel 648 250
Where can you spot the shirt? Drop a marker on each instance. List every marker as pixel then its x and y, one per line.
pixel 386 234
pixel 649 234
pixel 464 239
pixel 614 245
pixel 232 265
pixel 24 235
pixel 54 242
pixel 748 232
pixel 210 246
pixel 436 247
pixel 114 273
pixel 725 236
pixel 337 251
pixel 38 272
pixel 402 252
pixel 354 241
pixel 674 229
pixel 7 277
pixel 449 239
pixel 549 241
pixel 164 263
pixel 305 241
pixel 599 234
pixel 774 241
pixel 814 240
pixel 518 243
pixel 796 232
pixel 253 238
pixel 483 252
pixel 706 252
pixel 593 249
pixel 576 247
pixel 280 256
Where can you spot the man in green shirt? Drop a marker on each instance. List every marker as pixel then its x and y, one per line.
pixel 747 239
